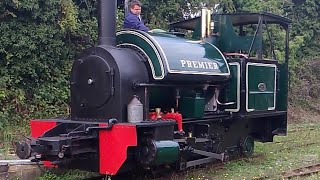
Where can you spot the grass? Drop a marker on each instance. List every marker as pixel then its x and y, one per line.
pixel 299 148
pixel 8 136
pixel 67 175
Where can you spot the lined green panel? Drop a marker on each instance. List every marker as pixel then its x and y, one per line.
pixel 231 89
pixel 189 57
pixel 176 54
pixel 282 96
pixel 257 99
pixel 147 48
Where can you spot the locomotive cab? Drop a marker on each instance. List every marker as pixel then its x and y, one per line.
pixel 259 76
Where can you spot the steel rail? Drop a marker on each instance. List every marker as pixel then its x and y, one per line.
pixel 302 171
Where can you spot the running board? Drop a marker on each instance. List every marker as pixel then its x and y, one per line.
pixel 210 158
pixel 220 157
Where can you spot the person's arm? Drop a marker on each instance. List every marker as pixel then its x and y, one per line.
pixel 142 27
pixel 133 22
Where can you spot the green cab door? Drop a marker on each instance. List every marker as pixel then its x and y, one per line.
pixel 260 87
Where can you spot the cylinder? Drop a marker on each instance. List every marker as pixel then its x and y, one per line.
pixel 167 152
pixel 153 152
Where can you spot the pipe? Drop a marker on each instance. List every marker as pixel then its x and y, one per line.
pixel 111 122
pixel 126 7
pixel 107 22
pixel 18 162
pixel 203 22
pixel 208 24
pixel 135 85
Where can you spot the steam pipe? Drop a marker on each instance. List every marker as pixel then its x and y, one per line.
pixel 107 22
pixel 126 7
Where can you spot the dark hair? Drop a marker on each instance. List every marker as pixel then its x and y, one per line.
pixel 132 3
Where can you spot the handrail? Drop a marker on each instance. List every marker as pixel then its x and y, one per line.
pixel 237 54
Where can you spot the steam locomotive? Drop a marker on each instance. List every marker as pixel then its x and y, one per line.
pixel 158 99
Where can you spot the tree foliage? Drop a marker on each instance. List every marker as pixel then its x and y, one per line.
pixel 306 24
pixel 39 39
pixel 158 14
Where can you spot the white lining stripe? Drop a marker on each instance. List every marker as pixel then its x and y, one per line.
pixel 238 87
pixel 228 73
pixel 143 36
pixel 149 60
pixel 154 49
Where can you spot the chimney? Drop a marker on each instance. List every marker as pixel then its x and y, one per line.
pixel 107 22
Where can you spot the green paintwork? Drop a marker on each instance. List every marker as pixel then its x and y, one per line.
pixel 167 152
pixel 282 95
pixel 192 106
pixel 228 40
pixel 156 98
pixel 261 100
pixel 177 55
pixel 231 89
pixel 147 47
pixel 177 49
pixel 197 31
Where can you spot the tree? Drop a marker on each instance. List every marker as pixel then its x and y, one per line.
pixel 39 40
pixel 158 14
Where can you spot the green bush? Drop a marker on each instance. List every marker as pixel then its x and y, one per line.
pixel 39 40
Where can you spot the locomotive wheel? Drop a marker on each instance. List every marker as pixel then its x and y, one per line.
pixel 147 152
pixel 247 146
pixel 23 150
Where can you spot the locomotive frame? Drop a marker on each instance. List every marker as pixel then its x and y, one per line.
pixel 219 99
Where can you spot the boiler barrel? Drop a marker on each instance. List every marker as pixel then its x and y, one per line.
pixel 172 58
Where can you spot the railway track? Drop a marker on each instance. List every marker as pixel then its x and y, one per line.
pixel 302 171
pixel 303 129
pixel 18 169
pixel 176 174
pixel 299 172
pixel 97 178
pixel 289 145
pixel 213 166
pixel 298 146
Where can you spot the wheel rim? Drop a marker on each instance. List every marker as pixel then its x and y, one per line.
pixel 247 147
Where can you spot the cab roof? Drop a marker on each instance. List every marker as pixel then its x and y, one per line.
pixel 238 19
